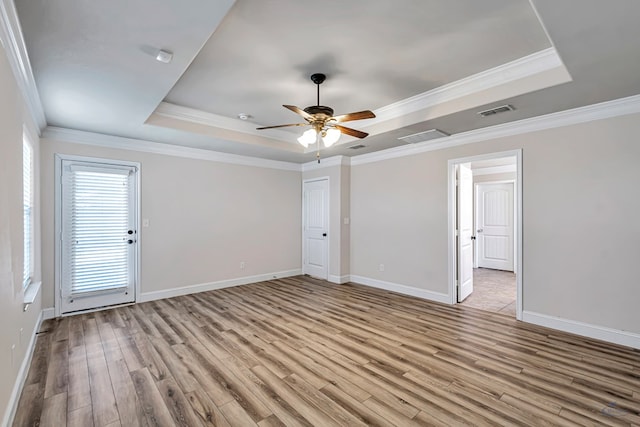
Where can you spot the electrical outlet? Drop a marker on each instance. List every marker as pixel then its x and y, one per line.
pixel 381 267
pixel 145 222
pixel 13 356
pixel 242 265
pixel 21 337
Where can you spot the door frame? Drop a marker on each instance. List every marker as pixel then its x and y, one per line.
pixel 515 219
pixel 452 210
pixel 57 253
pixel 328 240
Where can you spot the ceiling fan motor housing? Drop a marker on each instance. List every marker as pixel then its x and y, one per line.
pixel 319 109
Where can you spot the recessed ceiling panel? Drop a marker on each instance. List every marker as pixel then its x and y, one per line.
pixel 374 52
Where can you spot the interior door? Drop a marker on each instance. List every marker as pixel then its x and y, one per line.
pixel 315 228
pixel 465 231
pixel 494 232
pixel 99 236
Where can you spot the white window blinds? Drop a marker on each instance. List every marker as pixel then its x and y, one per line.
pixel 27 197
pixel 95 229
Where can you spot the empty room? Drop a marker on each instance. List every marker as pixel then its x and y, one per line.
pixel 267 213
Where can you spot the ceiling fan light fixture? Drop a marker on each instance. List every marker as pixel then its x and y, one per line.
pixel 330 137
pixel 308 137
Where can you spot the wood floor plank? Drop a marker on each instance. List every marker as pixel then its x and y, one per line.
pixel 180 408
pixel 151 401
pixel 353 406
pixel 54 411
pixel 271 421
pixel 81 417
pixel 102 397
pixel 302 351
pixel 309 411
pixel 315 397
pixel 205 409
pixel 79 390
pixel 40 360
pixel 58 371
pixel 30 406
pixel 236 415
pixel 386 412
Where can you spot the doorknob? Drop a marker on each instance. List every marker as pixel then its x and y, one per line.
pixel 479 230
pixel 324 234
pixel 129 241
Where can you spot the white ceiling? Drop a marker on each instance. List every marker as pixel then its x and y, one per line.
pixel 417 64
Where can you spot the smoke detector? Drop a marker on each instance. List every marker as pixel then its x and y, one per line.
pixel 164 56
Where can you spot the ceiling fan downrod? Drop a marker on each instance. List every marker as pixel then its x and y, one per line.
pixel 318 79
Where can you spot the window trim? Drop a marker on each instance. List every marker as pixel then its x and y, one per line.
pixel 29 240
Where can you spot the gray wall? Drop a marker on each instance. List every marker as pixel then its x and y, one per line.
pixel 580 227
pixel 204 218
pixel 12 319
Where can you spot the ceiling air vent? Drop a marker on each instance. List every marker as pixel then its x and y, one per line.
pixel 423 136
pixel 497 110
pixel 357 147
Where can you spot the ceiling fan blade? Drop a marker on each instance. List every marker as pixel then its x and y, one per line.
pixel 300 111
pixel 283 126
pixel 351 132
pixel 366 114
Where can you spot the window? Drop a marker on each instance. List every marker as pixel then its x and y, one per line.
pixel 28 193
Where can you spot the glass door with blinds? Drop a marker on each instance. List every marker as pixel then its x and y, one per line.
pixel 98 235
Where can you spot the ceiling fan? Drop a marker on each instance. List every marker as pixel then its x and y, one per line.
pixel 324 125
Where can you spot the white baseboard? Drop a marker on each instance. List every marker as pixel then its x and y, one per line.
pixel 614 336
pixel 339 279
pixel 48 313
pixel 402 289
pixel 192 289
pixel 12 406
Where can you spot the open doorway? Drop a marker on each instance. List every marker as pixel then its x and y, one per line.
pixel 485 194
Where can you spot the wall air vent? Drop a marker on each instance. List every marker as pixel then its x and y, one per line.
pixel 357 147
pixel 497 110
pixel 427 135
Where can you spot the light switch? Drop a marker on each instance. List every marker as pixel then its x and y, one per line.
pixel 145 222
pixel 346 221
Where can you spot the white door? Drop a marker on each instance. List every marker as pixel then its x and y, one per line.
pixel 315 227
pixel 494 230
pixel 465 231
pixel 98 235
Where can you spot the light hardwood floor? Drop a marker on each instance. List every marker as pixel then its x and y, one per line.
pixel 300 351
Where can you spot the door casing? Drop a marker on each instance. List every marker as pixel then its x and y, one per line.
pixel 58 158
pixel 452 209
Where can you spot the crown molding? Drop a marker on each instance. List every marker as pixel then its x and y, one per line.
pixel 536 63
pixel 13 42
pixel 117 142
pixel 326 163
pixel 193 115
pixel 603 110
pixel 530 65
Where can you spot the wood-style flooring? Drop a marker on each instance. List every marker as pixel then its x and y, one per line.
pixel 300 351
